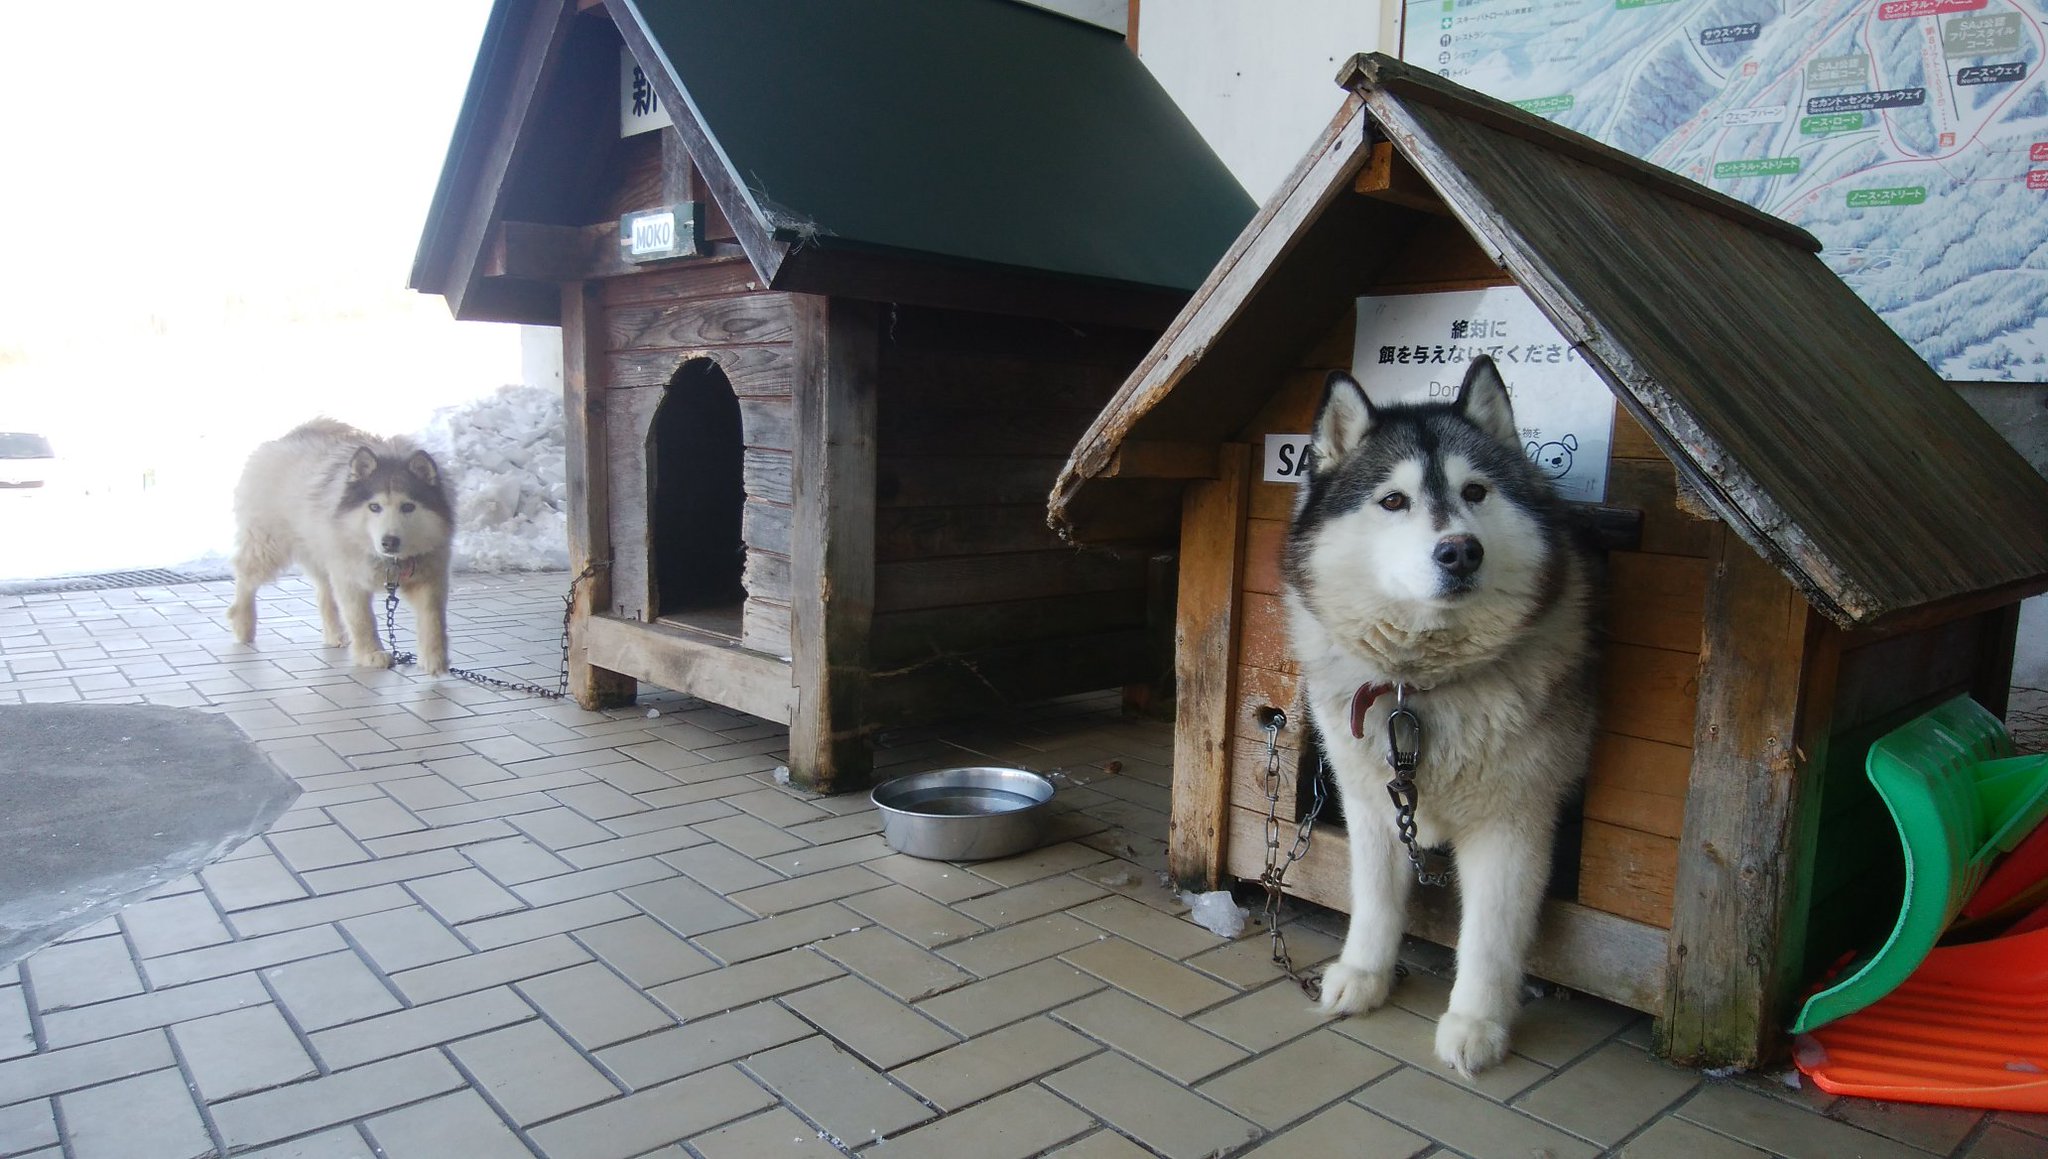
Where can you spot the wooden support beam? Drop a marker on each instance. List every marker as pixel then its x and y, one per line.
pixel 1768 669
pixel 695 664
pixel 1153 460
pixel 1388 176
pixel 589 518
pixel 573 253
pixel 832 540
pixel 1205 645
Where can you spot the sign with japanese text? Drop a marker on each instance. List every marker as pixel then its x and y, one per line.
pixel 640 108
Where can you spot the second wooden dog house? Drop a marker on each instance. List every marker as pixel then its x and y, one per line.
pixel 1829 538
pixel 827 336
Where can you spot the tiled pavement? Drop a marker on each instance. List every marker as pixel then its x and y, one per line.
pixel 498 926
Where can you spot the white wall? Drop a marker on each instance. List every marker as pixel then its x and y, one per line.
pixel 1258 78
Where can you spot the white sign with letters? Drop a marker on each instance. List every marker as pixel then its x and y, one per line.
pixel 1287 458
pixel 640 107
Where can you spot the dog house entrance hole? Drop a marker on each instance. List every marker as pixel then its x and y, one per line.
pixel 698 492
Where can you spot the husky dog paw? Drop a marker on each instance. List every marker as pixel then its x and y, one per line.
pixel 1469 1045
pixel 377 659
pixel 434 665
pixel 333 637
pixel 243 621
pixel 1352 990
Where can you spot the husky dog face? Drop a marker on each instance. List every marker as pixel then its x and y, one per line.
pixel 1419 516
pixel 397 508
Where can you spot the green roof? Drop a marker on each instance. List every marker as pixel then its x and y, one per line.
pixel 981 130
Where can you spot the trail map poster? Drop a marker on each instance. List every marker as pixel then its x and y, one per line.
pixel 1909 136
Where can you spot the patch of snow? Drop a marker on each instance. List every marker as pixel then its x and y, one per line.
pixel 505 463
pixel 1216 912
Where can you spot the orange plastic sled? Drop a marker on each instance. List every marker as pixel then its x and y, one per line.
pixel 1969 1028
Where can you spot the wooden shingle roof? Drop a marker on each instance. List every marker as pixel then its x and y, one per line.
pixel 1806 424
pixel 850 141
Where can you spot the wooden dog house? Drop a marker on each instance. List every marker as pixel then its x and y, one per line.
pixel 1830 540
pixel 911 249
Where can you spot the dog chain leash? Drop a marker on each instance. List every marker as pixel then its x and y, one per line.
pixel 1404 754
pixel 1273 720
pixel 561 689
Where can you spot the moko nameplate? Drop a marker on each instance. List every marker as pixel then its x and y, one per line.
pixel 648 235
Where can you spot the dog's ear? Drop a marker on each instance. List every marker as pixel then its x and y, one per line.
pixel 1342 421
pixel 362 464
pixel 1483 401
pixel 422 466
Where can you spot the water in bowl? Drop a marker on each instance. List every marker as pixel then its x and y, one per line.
pixel 963 801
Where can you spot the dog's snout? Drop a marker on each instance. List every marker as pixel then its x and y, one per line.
pixel 390 544
pixel 1459 554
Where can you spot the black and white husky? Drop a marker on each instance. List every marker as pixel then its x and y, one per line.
pixel 356 512
pixel 1428 563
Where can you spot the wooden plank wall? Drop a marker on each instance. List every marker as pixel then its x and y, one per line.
pixel 653 323
pixel 976 414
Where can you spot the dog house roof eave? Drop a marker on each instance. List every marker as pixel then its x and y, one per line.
pixel 1873 554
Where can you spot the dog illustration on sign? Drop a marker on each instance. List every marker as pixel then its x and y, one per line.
pixel 1554 458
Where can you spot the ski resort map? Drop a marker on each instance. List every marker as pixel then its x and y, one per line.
pixel 1909 136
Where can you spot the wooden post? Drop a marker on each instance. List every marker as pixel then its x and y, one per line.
pixel 832 541
pixel 1212 533
pixel 584 460
pixel 1768 665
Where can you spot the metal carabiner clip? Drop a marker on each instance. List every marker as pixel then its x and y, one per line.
pixel 1404 734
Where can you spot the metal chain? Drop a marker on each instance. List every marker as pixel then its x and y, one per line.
pixel 1404 754
pixel 561 689
pixel 1277 865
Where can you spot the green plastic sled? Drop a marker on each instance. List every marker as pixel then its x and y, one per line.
pixel 1960 799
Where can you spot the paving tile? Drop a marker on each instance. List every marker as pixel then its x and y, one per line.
pixel 401 939
pixel 532 1072
pixel 168 925
pixel 1039 863
pixel 704 1043
pixel 720 869
pixel 417 1027
pixel 1001 950
pixel 464 896
pixel 377 818
pixel 243 956
pixel 515 860
pixel 124 1016
pixel 644 952
pixel 250 881
pixel 685 907
pixel 905 970
pixel 334 1143
pixel 1104 1144
pixel 17 1033
pixel 1172 936
pixel 490 968
pixel 271 1115
pixel 1018 1125
pixel 674 819
pixel 914 916
pixel 647 1119
pixel 427 792
pixel 150 1116
pixel 648 844
pixel 318 847
pixel 385 870
pixel 1464 1119
pixel 775 1132
pixel 458 1124
pixel 1167 1044
pixel 1609 1095
pixel 330 990
pixel 1930 1128
pixel 819 858
pixel 63 1070
pixel 1678 1139
pixel 1248 961
pixel 764 936
pixel 509 929
pixel 1162 1115
pixel 731 987
pixel 1268 1017
pixel 598 801
pixel 1345 1129
pixel 444 837
pixel 837 1091
pixel 1784 1129
pixel 1412 1039
pixel 593 1006
pixel 559 829
pixel 1159 981
pixel 27 1127
pixel 1049 895
pixel 750 836
pixel 315 911
pixel 2002 1142
pixel 81 973
pixel 590 882
pixel 994 1062
pixel 1005 998
pixel 796 893
pixel 1282 1085
pixel 871 1024
pixel 242 1051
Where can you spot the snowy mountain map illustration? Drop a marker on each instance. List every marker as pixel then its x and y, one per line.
pixel 1909 136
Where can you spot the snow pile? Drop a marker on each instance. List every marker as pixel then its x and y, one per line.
pixel 504 460
pixel 1216 912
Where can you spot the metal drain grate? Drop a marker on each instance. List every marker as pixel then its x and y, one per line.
pixel 104 581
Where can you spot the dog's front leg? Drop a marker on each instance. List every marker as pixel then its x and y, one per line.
pixel 1358 981
pixel 331 633
pixel 429 602
pixel 363 648
pixel 1502 870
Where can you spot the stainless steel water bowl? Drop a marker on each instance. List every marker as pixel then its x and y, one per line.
pixel 966 814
